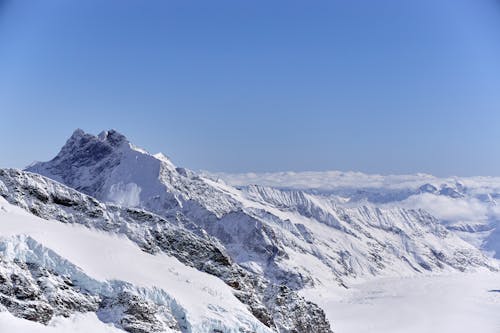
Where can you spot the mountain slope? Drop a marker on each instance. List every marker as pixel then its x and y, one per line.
pixel 53 269
pixel 51 200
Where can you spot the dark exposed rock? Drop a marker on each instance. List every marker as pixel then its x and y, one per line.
pixel 137 315
pixel 35 311
pixel 31 292
pixel 303 316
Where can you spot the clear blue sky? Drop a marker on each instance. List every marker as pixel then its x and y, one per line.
pixel 376 86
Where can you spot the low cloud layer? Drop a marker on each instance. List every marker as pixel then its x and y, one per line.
pixel 331 180
pixel 453 209
pixel 477 205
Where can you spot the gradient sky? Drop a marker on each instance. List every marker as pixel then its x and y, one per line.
pixel 386 86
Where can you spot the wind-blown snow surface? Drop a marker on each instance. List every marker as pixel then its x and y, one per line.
pixel 206 302
pixel 448 303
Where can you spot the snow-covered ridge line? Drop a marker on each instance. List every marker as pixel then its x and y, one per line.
pixel 467 205
pixel 410 226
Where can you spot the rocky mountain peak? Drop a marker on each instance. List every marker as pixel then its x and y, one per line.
pixel 80 141
pixel 113 137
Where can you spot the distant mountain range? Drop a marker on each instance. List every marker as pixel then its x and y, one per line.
pixel 467 205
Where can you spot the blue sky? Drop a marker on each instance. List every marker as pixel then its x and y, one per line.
pixel 375 86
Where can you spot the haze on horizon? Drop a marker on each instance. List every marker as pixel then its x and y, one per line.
pixel 390 87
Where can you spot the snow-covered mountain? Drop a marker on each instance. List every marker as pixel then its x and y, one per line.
pixel 292 238
pixel 466 205
pixel 276 307
pixel 112 169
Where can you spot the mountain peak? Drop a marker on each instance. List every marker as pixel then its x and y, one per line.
pixel 83 150
pixel 77 136
pixel 106 140
pixel 78 133
pixel 113 137
pixel 108 167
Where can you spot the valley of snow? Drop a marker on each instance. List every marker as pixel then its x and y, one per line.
pixel 206 302
pixel 444 303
